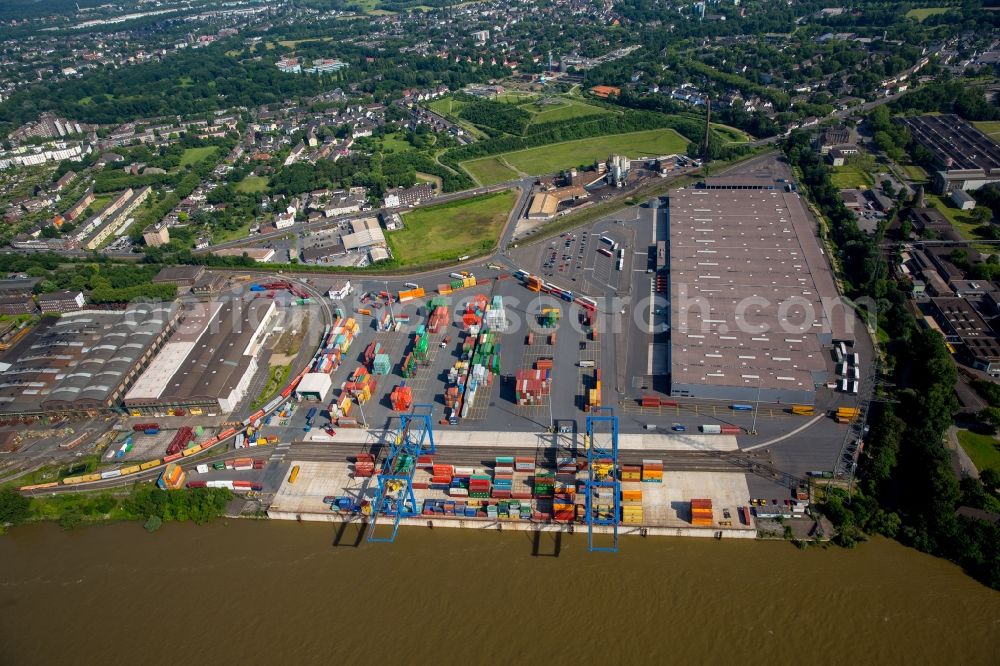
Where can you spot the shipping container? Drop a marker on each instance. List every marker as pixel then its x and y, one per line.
pixel 710 429
pixel 741 408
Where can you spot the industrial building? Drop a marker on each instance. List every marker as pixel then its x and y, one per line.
pixel 964 327
pixel 17 305
pixel 966 159
pixel 258 254
pixel 83 362
pixel 18 286
pixel 314 387
pixel 61 301
pixel 183 276
pixel 747 279
pixel 208 363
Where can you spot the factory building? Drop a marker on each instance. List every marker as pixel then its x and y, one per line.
pixel 966 158
pixel 747 281
pixel 209 362
pixel 83 363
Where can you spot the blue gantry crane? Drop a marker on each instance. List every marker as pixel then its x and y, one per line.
pixel 395 498
pixel 602 475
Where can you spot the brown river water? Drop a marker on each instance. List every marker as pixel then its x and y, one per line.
pixel 244 592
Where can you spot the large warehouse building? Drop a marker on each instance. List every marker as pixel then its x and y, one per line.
pixel 208 363
pixel 747 279
pixel 966 159
pixel 83 362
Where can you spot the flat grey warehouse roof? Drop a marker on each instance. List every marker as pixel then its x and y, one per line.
pixel 747 283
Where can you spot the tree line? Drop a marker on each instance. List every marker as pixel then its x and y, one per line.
pixel 906 487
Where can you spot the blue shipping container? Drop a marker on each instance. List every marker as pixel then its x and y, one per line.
pixel 741 408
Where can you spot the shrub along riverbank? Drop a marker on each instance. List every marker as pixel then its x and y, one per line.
pixel 145 503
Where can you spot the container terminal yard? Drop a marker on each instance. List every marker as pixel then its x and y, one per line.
pixel 565 385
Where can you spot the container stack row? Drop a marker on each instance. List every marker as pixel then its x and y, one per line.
pixel 652 471
pixel 594 394
pixel 382 365
pixel 360 385
pixel 701 512
pixel 632 507
pixel 401 398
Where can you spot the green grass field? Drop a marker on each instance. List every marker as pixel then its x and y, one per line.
pixel 914 172
pixel 446 105
pixel 960 219
pixel 252 184
pixel 489 170
pixel 730 134
pixel 983 449
pixel 557 156
pixel 451 230
pixel 195 155
pixel 565 110
pixel 225 235
pixel 921 13
pixel 516 97
pixel 990 127
pixel 850 177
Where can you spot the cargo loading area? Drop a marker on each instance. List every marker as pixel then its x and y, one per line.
pixel 664 505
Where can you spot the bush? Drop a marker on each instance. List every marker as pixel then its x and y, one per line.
pixel 14 507
pixel 152 523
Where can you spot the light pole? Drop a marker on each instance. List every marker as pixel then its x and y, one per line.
pixel 756 406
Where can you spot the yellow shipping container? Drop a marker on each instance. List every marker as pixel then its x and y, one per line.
pixel 130 470
pixel 294 475
pixel 149 465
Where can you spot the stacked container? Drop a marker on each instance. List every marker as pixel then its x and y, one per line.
pixel 371 352
pixel 631 507
pixel 652 471
pixel 479 486
pixel 401 398
pixel 438 319
pixel 544 483
pixel 411 294
pixel 180 441
pixel 340 407
pixel 361 385
pixel 364 465
pixel 631 472
pixel 503 477
pixel 549 317
pixel 594 394
pixel 409 366
pixel 171 478
pixel 496 316
pixel 382 365
pixel 531 386
pixel 701 512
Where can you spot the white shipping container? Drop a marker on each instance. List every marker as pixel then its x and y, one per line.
pixel 111 474
pixel 202 469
